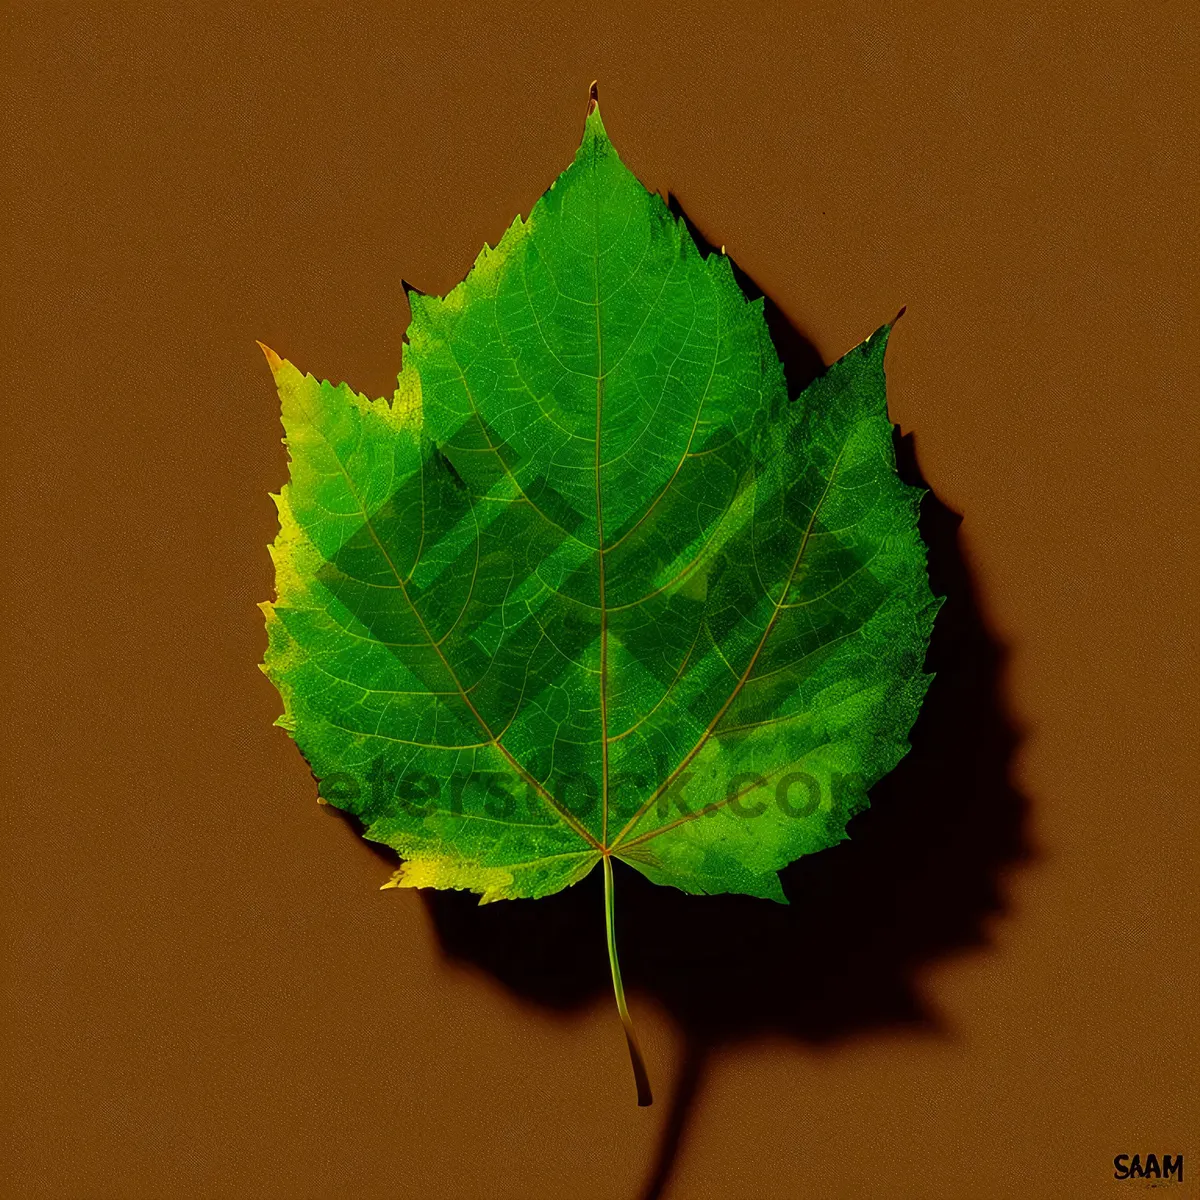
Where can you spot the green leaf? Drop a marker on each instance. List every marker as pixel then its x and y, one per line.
pixel 589 585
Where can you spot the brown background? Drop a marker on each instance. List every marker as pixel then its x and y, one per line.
pixel 205 993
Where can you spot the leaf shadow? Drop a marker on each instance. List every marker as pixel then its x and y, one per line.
pixel 919 879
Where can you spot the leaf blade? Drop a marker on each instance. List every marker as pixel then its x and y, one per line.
pixel 598 549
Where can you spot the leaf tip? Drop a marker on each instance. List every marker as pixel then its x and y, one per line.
pixel 593 124
pixel 273 359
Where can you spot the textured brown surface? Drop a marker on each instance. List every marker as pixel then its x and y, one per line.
pixel 206 994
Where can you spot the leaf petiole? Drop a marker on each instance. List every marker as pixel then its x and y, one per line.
pixel 644 1095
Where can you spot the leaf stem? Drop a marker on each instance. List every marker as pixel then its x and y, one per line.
pixel 644 1095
